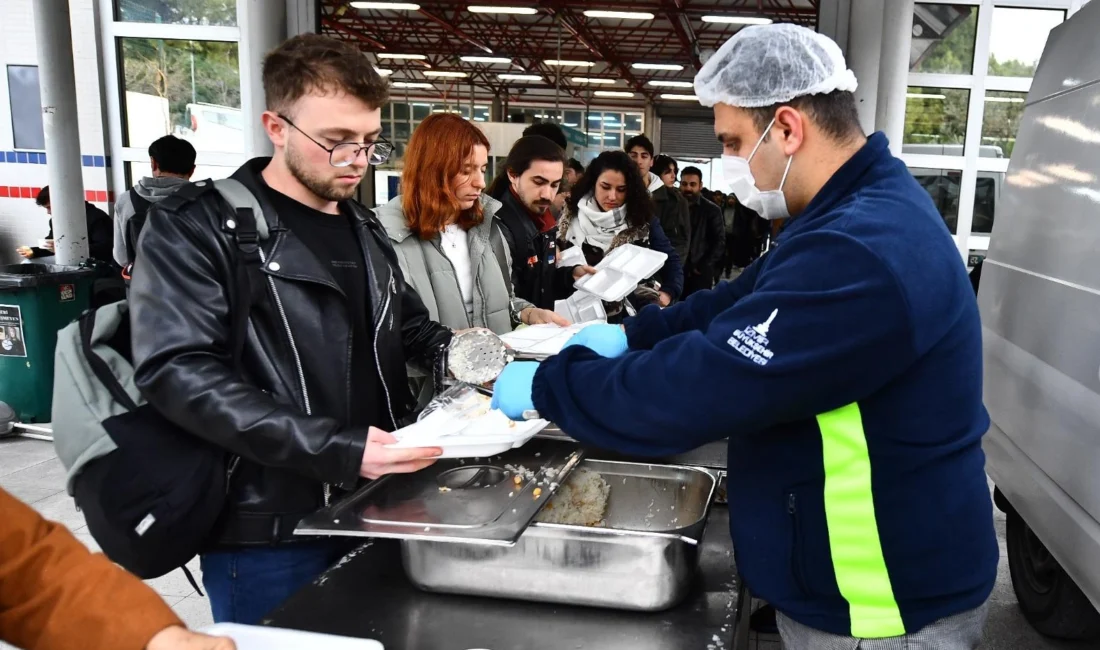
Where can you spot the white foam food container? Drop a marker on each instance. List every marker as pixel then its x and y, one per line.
pixel 466 427
pixel 252 637
pixel 542 341
pixel 621 272
pixel 581 307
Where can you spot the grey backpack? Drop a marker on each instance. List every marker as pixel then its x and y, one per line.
pixel 151 492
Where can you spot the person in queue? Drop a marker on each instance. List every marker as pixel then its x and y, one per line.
pixel 332 325
pixel 708 235
pixel 51 590
pixel 859 512
pixel 171 162
pixel 667 169
pixel 672 208
pixel 573 171
pixel 447 236
pixel 611 207
pixel 525 188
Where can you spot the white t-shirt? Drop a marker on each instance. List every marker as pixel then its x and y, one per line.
pixel 456 247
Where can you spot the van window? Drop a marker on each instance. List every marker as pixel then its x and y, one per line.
pixel 943 185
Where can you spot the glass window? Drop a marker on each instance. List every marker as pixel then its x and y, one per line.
pixel 943 38
pixel 190 89
pixel 613 141
pixel 633 122
pixel 26 107
pixel 986 196
pixel 175 12
pixel 1017 39
pixel 421 111
pixel 612 121
pixel 402 131
pixel 935 121
pixel 1000 122
pixel 387 112
pixel 944 186
pixel 401 112
pixel 573 119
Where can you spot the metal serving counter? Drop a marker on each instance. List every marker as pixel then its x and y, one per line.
pixel 711 455
pixel 367 595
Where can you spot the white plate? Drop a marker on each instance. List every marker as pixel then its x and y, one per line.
pixel 251 637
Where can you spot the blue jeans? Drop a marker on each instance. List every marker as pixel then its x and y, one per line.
pixel 246 584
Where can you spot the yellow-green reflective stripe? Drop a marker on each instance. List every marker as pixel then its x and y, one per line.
pixel 853 532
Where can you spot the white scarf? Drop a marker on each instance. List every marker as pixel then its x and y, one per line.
pixel 594 226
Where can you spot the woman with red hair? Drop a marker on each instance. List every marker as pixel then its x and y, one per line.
pixel 444 230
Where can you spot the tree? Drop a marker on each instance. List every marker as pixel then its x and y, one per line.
pixel 167 68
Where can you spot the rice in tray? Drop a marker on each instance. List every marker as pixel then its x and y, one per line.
pixel 580 501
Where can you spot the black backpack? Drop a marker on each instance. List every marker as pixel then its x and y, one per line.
pixel 151 492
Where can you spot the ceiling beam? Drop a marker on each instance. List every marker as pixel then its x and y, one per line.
pixel 585 36
pixel 684 31
pixel 456 31
pixel 360 36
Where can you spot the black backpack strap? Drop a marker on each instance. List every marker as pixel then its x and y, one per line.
pixel 99 367
pixel 136 222
pixel 248 227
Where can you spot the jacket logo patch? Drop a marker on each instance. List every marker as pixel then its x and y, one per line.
pixel 533 260
pixel 752 342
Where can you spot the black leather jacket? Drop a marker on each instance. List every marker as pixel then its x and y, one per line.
pixel 181 295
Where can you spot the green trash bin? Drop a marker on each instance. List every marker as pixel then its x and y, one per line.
pixel 36 300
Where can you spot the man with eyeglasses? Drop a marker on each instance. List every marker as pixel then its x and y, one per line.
pixel 305 412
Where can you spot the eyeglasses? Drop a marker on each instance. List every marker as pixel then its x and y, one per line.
pixel 346 153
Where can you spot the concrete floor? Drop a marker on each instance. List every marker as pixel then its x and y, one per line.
pixel 29 469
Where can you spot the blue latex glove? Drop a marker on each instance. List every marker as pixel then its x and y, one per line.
pixel 512 389
pixel 603 339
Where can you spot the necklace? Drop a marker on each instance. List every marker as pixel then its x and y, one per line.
pixel 451 238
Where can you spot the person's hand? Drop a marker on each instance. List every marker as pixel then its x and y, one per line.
pixel 582 270
pixel 48 244
pixel 664 298
pixel 603 339
pixel 25 252
pixel 536 316
pixel 512 390
pixel 178 638
pixel 379 461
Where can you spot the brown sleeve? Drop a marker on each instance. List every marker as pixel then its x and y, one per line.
pixel 55 594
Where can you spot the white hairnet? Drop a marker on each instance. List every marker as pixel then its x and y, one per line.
pixel 771 64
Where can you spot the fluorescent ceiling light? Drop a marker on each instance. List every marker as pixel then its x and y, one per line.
pixel 383 72
pixel 572 125
pixel 482 9
pixel 658 66
pixel 677 97
pixel 924 96
pixel 672 84
pixel 396 6
pixel 519 77
pixel 592 80
pixel 445 73
pixel 737 20
pixel 1005 100
pixel 387 55
pixel 624 15
pixel 411 84
pixel 570 64
pixel 612 93
pixel 485 59
pixel 443 110
pixel 480 119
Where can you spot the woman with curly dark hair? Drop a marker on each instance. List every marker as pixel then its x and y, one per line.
pixel 611 206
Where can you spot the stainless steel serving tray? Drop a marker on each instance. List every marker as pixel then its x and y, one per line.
pixel 473 501
pixel 644 559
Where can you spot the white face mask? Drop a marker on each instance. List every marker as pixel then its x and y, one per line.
pixel 769 204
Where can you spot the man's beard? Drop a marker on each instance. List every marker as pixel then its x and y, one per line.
pixel 538 207
pixel 327 190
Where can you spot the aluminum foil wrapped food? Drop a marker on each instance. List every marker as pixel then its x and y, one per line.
pixel 477 356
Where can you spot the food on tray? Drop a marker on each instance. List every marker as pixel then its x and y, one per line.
pixel 580 501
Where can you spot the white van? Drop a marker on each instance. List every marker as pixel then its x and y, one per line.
pixel 1040 306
